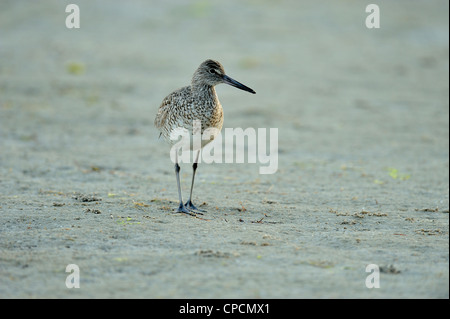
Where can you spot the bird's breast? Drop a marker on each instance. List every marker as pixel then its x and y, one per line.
pixel 208 111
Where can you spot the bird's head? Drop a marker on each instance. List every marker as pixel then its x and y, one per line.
pixel 211 73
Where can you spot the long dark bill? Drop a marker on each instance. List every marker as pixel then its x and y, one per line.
pixel 236 84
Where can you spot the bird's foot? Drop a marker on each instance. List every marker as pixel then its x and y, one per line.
pixel 191 207
pixel 184 210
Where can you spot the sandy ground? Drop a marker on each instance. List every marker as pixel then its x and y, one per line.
pixel 363 175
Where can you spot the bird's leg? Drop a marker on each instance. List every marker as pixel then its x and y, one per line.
pixel 189 205
pixel 181 208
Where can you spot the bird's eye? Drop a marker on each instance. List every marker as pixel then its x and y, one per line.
pixel 212 71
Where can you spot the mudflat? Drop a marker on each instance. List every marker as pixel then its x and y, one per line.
pixel 363 151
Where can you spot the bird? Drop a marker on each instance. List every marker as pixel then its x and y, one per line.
pixel 195 102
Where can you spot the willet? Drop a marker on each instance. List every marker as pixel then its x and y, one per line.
pixel 196 102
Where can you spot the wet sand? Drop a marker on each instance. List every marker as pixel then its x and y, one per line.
pixel 362 117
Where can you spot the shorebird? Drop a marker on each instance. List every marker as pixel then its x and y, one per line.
pixel 196 102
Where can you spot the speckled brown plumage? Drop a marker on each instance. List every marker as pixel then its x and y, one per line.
pixel 196 102
pixel 180 108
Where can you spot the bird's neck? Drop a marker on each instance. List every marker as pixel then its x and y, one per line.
pixel 203 89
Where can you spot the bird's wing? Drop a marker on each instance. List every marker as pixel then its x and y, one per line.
pixel 163 111
pixel 169 105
